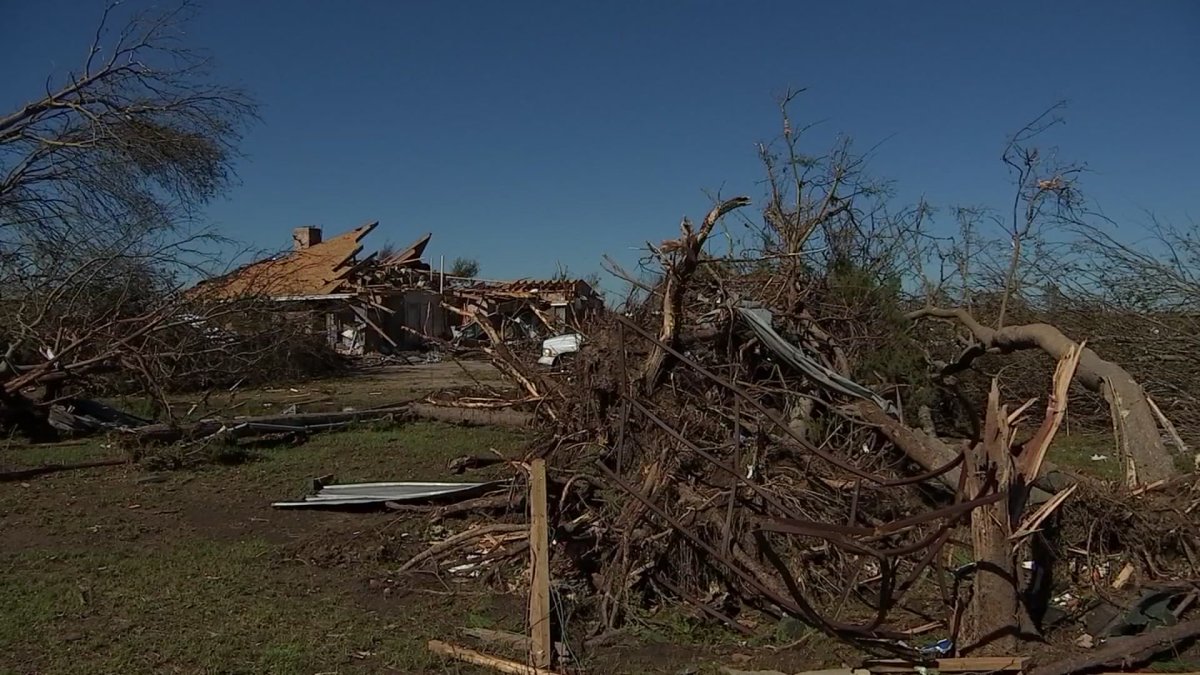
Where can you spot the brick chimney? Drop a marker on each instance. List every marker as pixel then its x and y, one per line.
pixel 304 237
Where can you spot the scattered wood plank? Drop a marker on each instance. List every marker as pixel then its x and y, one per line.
pixel 471 656
pixel 248 426
pixel 457 540
pixel 1123 576
pixel 541 649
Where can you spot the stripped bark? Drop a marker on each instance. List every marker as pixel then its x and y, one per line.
pixel 928 451
pixel 992 625
pixel 685 254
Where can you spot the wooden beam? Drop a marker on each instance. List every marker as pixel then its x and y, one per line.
pixel 362 314
pixel 471 656
pixel 541 649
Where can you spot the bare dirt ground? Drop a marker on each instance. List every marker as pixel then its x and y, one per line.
pixel 126 569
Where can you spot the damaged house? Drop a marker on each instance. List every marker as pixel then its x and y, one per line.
pixel 526 308
pixel 363 304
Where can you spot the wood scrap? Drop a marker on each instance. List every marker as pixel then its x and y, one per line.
pixel 514 640
pixel 244 427
pixel 471 656
pixel 458 540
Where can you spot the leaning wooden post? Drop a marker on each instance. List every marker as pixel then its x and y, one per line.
pixel 541 647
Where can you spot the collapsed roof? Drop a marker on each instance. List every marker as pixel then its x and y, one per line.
pixel 320 268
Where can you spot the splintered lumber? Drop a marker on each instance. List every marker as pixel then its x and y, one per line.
pixel 471 656
pixel 978 664
pixel 992 622
pixel 458 540
pixel 540 648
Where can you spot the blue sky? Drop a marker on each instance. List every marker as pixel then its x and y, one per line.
pixel 525 134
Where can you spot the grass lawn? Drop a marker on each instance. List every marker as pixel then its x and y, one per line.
pixel 370 388
pixel 125 570
pixel 119 570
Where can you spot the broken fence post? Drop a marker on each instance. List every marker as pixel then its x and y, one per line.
pixel 541 648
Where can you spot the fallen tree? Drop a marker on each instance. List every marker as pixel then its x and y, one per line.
pixel 1135 426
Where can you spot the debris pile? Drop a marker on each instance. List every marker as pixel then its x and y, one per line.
pixel 713 445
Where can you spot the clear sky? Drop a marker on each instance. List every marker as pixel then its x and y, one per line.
pixel 525 133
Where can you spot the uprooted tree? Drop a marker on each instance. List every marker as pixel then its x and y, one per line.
pixel 100 178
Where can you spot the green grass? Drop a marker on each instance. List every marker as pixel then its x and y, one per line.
pixel 415 451
pixel 1074 452
pixel 17 454
pixel 201 606
pixel 367 389
pixel 125 570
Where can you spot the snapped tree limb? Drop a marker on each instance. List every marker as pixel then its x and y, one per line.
pixel 1137 432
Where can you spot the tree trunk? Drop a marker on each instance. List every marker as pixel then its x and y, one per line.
pixel 992 623
pixel 1135 427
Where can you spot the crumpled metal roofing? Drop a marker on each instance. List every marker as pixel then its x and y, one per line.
pixel 759 321
pixel 354 494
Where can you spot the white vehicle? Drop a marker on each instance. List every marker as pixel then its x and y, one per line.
pixel 559 345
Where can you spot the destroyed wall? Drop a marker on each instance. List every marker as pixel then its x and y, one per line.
pixel 527 308
pixel 413 316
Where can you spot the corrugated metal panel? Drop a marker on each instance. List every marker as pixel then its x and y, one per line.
pixel 759 321
pixel 353 494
